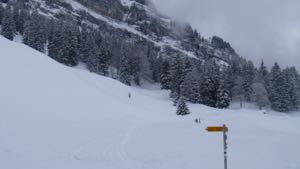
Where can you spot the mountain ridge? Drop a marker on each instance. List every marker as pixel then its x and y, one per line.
pixel 135 17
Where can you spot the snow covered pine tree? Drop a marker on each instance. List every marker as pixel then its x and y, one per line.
pixel 182 108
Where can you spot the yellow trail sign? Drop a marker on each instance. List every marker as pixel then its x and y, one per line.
pixel 217 129
pixel 223 129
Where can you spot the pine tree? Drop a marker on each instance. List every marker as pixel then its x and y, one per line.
pixel 55 39
pixel 98 63
pixel 286 95
pixel 187 67
pixel 98 60
pixel 165 77
pixel 279 90
pixel 209 83
pixel 8 24
pixel 275 80
pixel 260 94
pixel 63 43
pixel 177 75
pixel 23 16
pixel 1 13
pixel 190 88
pixel 16 16
pixel 291 77
pixel 182 108
pixel 223 93
pixel 135 68
pixel 34 32
pixel 263 71
pixel 263 75
pixel 104 63
pixel 156 65
pixel 259 86
pixel 248 73
pixel 85 48
pixel 124 70
pixel 232 73
pixel 237 90
pixel 298 89
pixel 69 48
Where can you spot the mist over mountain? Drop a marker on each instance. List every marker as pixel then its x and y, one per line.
pixel 268 30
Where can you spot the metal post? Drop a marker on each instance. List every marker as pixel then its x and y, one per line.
pixel 223 129
pixel 225 146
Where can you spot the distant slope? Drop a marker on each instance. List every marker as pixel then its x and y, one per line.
pixel 55 117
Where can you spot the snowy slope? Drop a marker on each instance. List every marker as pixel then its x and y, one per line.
pixel 55 117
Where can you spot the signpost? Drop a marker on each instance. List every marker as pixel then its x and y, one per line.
pixel 223 129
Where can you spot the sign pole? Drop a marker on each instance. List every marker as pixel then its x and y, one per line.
pixel 223 129
pixel 225 147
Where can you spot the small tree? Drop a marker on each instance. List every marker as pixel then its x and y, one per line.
pixel 182 108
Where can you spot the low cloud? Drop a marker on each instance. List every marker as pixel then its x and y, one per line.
pixel 257 29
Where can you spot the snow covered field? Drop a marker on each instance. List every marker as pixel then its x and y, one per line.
pixel 55 117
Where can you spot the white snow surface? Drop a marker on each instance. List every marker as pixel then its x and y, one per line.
pixel 56 117
pixel 127 3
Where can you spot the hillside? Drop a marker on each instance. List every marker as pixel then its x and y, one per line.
pixel 54 116
pixel 129 40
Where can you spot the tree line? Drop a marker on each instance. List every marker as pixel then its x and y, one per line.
pixel 217 85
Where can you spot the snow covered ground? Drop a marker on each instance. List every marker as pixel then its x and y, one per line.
pixel 56 117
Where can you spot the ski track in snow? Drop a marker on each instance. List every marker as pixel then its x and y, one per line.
pixel 117 151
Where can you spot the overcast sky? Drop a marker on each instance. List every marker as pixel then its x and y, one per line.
pixel 257 29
